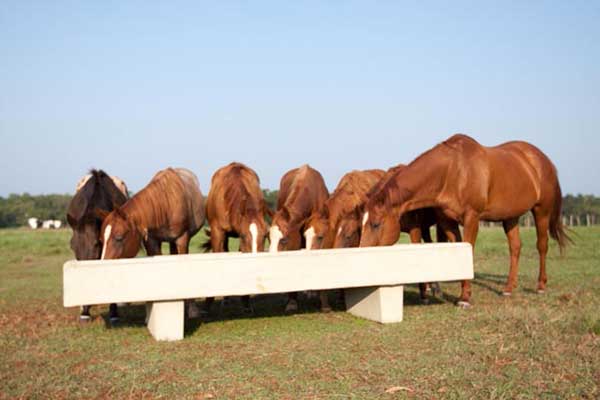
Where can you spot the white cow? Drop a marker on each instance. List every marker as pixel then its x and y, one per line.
pixel 33 223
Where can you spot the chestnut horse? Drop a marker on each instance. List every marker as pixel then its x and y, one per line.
pixel 340 221
pixel 169 209
pixel 469 182
pixel 236 208
pixel 97 190
pixel 302 191
pixel 323 228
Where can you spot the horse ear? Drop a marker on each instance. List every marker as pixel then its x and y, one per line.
pixel 78 207
pixel 100 213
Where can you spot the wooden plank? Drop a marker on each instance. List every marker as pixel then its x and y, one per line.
pixel 164 278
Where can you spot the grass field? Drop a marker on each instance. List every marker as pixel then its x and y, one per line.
pixel 529 346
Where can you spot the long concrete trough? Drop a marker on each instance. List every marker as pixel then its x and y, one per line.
pixel 374 278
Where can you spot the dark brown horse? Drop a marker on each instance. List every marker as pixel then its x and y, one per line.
pixel 96 190
pixel 468 183
pixel 236 208
pixel 302 191
pixel 169 209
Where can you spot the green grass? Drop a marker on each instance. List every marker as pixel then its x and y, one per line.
pixel 529 346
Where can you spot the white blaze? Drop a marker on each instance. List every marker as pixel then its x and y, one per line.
pixel 309 234
pixel 365 218
pixel 106 237
pixel 275 236
pixel 339 231
pixel 254 233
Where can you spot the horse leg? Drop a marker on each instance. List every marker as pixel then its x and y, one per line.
pixel 85 314
pixel 181 246
pixel 292 303
pixel 113 314
pixel 511 228
pixel 153 247
pixel 542 223
pixel 471 228
pixel 325 307
pixel 416 235
pixel 218 242
pixel 435 288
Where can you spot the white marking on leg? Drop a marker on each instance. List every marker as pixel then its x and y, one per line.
pixel 254 232
pixel 309 234
pixel 275 236
pixel 106 237
pixel 365 218
pixel 339 232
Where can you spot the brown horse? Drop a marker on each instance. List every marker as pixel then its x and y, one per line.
pixel 169 209
pixel 302 191
pixel 236 208
pixel 468 183
pixel 97 190
pixel 324 227
pixel 340 221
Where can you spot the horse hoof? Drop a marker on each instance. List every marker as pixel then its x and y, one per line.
pixel 292 306
pixel 425 302
pixel 326 309
pixel 464 304
pixel 113 320
pixel 541 291
pixel 248 310
pixel 85 319
pixel 506 294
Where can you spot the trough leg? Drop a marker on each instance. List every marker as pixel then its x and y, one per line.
pixel 378 303
pixel 166 320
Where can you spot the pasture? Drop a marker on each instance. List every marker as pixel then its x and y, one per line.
pixel 529 346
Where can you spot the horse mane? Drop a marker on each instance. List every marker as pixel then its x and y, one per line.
pixel 99 191
pixel 295 190
pixel 387 192
pixel 152 206
pixel 242 192
pixel 351 193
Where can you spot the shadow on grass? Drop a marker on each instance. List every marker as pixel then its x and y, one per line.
pixel 264 306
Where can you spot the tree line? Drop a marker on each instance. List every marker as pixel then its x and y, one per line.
pixel 16 209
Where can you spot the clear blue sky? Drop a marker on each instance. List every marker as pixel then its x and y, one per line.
pixel 133 87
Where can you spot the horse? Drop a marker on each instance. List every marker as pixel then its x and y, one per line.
pixel 341 216
pixel 469 182
pixel 97 190
pixel 323 229
pixel 169 209
pixel 302 191
pixel 236 208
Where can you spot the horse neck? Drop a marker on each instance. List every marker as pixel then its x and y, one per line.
pixel 141 210
pixel 418 186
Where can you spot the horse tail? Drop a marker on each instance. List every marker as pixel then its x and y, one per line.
pixel 557 229
pixel 206 246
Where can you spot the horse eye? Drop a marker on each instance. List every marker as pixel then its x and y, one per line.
pixel 320 237
pixel 375 225
pixel 283 240
pixel 119 238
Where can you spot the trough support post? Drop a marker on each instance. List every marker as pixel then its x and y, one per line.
pixel 377 303
pixel 166 320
